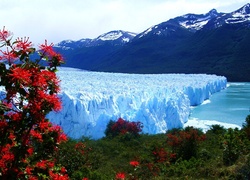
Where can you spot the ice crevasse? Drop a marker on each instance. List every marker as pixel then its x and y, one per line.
pixel 160 101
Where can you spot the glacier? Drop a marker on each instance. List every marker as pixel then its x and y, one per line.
pixel 160 101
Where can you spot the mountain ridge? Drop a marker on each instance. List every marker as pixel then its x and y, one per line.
pixel 193 43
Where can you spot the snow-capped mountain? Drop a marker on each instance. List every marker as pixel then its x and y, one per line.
pixel 196 22
pixel 240 17
pixel 70 44
pixel 118 37
pixel 213 42
pixel 192 22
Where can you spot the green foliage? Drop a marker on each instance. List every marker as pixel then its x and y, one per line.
pixel 246 127
pixel 247 123
pixel 217 129
pixel 218 156
pixel 231 148
pixel 185 143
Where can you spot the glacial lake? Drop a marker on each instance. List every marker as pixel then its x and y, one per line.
pixel 231 106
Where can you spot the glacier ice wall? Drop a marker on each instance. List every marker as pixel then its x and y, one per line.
pixel 160 101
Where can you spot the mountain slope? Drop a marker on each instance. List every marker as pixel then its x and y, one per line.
pixel 214 43
pixel 182 45
pixel 86 53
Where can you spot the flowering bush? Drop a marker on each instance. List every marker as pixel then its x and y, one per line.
pixel 185 143
pixel 122 126
pixel 28 140
pixel 162 156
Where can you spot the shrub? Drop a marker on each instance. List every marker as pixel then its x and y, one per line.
pixel 217 129
pixel 122 127
pixel 233 146
pixel 246 127
pixel 185 143
pixel 29 142
pixel 247 123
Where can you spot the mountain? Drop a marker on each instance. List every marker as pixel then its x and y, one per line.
pixel 213 43
pixel 86 53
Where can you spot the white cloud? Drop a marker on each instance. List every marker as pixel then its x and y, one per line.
pixel 63 19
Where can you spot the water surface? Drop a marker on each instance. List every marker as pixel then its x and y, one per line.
pixel 231 105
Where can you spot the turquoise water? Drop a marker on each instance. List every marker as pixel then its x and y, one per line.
pixel 231 105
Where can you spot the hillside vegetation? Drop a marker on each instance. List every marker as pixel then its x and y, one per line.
pixel 216 51
pixel 178 154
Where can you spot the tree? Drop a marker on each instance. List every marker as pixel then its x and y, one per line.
pixel 28 142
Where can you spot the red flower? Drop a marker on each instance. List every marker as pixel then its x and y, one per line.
pixel 8 157
pixel 20 75
pixel 41 164
pixel 33 178
pixel 12 136
pixel 44 124
pixel 10 56
pixel 30 151
pixel 3 123
pixel 120 175
pixel 23 44
pixel 54 176
pixel 4 34
pixel 36 135
pixel 134 163
pixel 63 170
pixel 28 170
pixel 46 48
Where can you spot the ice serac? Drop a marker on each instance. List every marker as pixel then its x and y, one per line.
pixel 160 101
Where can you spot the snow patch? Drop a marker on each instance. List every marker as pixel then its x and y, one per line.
pixel 110 36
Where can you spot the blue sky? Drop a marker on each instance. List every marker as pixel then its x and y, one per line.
pixel 57 20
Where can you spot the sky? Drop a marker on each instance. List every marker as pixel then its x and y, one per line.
pixel 57 20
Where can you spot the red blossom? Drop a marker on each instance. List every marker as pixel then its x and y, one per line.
pixel 4 34
pixel 3 123
pixel 62 138
pixel 30 151
pixel 42 164
pixel 46 48
pixel 12 136
pixel 36 135
pixel 120 175
pixel 28 170
pixel 56 176
pixel 17 116
pixel 20 75
pixel 23 44
pixel 8 55
pixel 50 164
pixel 63 170
pixel 134 163
pixel 33 178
